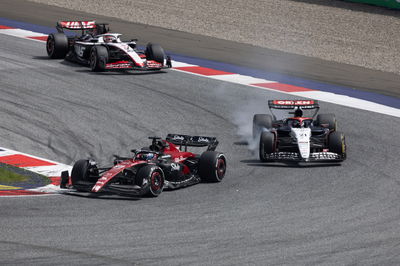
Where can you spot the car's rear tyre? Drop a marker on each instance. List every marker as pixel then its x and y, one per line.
pixel 337 143
pixel 155 178
pixel 98 58
pixel 267 145
pixel 261 122
pixel 155 52
pixel 327 119
pixel 57 45
pixel 212 166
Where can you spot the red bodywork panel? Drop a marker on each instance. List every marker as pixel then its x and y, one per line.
pixel 171 149
pixel 107 176
pixel 300 119
pixel 178 156
pixel 153 64
pixel 119 64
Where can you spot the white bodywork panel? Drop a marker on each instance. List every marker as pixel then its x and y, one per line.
pixel 302 135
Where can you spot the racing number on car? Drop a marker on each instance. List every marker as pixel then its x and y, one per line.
pixel 79 50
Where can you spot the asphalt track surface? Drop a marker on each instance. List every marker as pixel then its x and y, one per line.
pixel 259 214
pixel 199 46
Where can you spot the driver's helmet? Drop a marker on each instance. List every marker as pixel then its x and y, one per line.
pixel 146 156
pixel 294 123
pixel 88 35
pixel 109 38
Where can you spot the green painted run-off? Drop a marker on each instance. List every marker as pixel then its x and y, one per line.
pixel 386 3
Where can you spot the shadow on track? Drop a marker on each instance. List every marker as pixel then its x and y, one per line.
pixel 89 195
pixel 122 72
pixel 254 162
pixel 41 57
pixel 241 143
pixel 109 72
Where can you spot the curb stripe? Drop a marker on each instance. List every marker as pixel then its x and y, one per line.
pixel 241 79
pixel 35 164
pixel 281 87
pixel 21 160
pixel 39 38
pixel 21 193
pixel 202 70
pixel 5 27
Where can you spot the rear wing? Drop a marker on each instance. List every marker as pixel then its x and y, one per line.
pixel 82 25
pixel 76 25
pixel 194 141
pixel 293 105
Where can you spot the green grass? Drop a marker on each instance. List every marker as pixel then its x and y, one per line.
pixel 7 176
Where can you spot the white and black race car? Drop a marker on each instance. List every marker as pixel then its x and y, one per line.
pixel 298 138
pixel 102 50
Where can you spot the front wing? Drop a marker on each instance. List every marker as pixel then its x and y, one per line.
pixel 128 65
pixel 123 190
pixel 314 157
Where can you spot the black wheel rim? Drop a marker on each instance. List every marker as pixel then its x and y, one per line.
pixel 93 60
pixel 221 168
pixel 50 46
pixel 156 182
pixel 262 153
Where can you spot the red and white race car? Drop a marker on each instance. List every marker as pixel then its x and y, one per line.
pixel 165 164
pixel 102 50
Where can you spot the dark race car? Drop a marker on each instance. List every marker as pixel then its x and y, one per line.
pixel 101 50
pixel 297 137
pixel 165 164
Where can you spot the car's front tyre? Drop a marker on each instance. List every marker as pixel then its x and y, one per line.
pixel 267 145
pixel 81 176
pixel 98 58
pixel 154 176
pixel 155 52
pixel 337 144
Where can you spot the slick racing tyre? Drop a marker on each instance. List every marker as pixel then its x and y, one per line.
pixel 261 121
pixel 57 45
pixel 267 145
pixel 154 177
pixel 212 166
pixel 155 52
pixel 337 144
pixel 80 175
pixel 98 58
pixel 327 119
